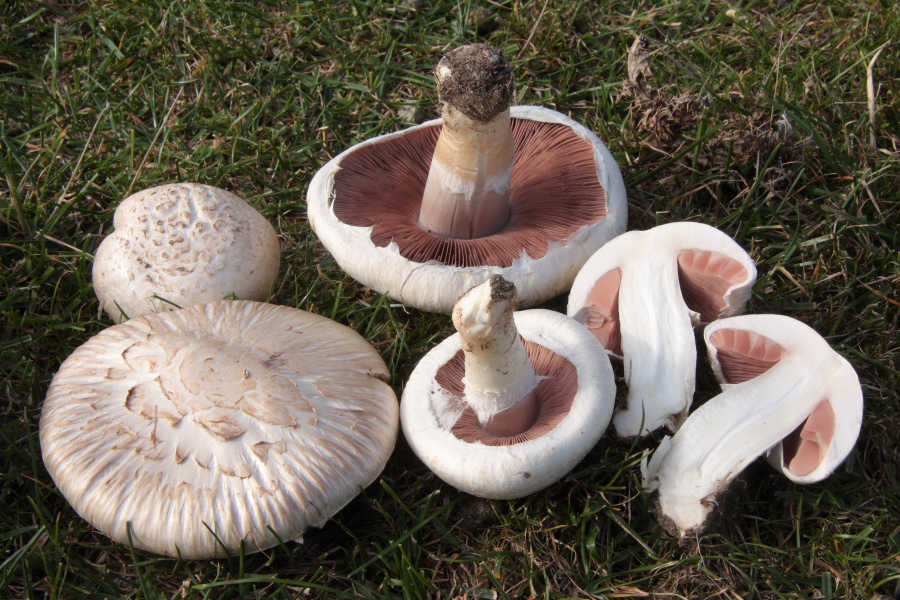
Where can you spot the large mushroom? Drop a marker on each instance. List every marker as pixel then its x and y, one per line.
pixel 235 424
pixel 512 402
pixel 427 213
pixel 786 394
pixel 641 295
pixel 183 244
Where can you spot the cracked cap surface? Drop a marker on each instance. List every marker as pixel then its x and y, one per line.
pixel 219 424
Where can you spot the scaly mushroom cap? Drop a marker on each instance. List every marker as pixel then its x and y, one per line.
pixel 575 390
pixel 183 244
pixel 212 426
pixel 641 295
pixel 567 199
pixel 786 394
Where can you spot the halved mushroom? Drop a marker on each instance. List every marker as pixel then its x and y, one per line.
pixel 197 430
pixel 512 402
pixel 427 213
pixel 641 295
pixel 183 244
pixel 786 395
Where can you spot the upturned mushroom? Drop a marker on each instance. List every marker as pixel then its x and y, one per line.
pixel 641 295
pixel 427 213
pixel 510 403
pixel 183 244
pixel 786 395
pixel 230 425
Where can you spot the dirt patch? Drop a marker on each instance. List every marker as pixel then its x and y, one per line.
pixel 477 80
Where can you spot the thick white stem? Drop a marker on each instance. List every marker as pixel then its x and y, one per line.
pixel 467 192
pixel 498 371
pixel 658 343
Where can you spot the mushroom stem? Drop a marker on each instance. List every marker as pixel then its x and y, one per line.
pixel 467 191
pixel 500 381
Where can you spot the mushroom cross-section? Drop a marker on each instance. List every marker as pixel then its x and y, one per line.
pixel 786 395
pixel 194 432
pixel 425 214
pixel 641 295
pixel 512 402
pixel 183 244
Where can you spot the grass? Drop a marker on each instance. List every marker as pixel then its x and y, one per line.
pixel 100 99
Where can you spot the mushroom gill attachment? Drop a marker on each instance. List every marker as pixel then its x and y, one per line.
pixel 786 396
pixel 427 213
pixel 183 244
pixel 510 403
pixel 197 431
pixel 642 294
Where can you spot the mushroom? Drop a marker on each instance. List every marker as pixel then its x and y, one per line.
pixel 510 403
pixel 641 295
pixel 425 214
pixel 183 244
pixel 229 425
pixel 786 394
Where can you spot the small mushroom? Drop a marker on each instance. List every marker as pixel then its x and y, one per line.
pixel 512 402
pixel 641 295
pixel 183 244
pixel 427 213
pixel 194 432
pixel 786 395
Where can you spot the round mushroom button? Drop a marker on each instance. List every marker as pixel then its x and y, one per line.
pixel 190 433
pixel 183 244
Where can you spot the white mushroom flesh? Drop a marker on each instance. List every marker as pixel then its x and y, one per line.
pixel 222 424
pixel 642 294
pixel 782 384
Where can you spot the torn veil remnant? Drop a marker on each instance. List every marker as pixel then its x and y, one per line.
pixel 197 432
pixel 512 402
pixel 427 213
pixel 641 295
pixel 183 244
pixel 785 394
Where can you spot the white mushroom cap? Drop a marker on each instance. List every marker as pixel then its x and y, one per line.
pixel 435 280
pixel 183 244
pixel 518 469
pixel 216 425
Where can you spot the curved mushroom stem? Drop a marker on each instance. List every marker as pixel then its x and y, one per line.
pixel 500 381
pixel 467 192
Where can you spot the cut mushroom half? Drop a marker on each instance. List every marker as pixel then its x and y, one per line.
pixel 641 296
pixel 235 424
pixel 183 244
pixel 512 402
pixel 787 395
pixel 425 214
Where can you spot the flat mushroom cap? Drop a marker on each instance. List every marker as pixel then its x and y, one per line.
pixel 193 432
pixel 183 244
pixel 563 354
pixel 567 199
